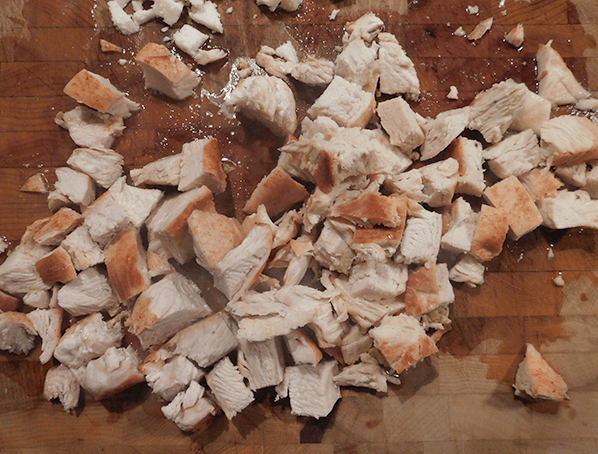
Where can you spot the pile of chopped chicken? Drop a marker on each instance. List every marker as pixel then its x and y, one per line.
pixel 342 271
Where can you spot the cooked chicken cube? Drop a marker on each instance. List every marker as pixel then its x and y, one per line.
pixel 107 46
pixel 515 36
pixel 328 325
pixel 206 13
pixel 388 239
pixel 401 124
pixel 493 110
pixel 516 155
pixel 516 202
pixel 278 192
pixel 83 250
pixel 168 223
pixel 440 181
pixel 332 249
pixel 166 307
pixel 57 227
pixel 302 348
pixel 570 139
pixel 261 363
pixel 397 71
pixel 377 280
pixel 39 299
pixel 57 200
pixel 98 93
pixel 367 27
pixel 428 289
pixel 164 171
pixel 103 165
pixel 56 266
pixel 190 410
pixel 540 182
pixel 226 383
pixel 105 218
pixel 201 165
pixel 274 64
pixel 575 175
pixel 313 71
pixel 421 238
pixel 468 154
pixel 206 56
pixel 556 82
pixel 462 222
pixel 90 291
pixel 168 378
pixel 48 324
pixel 355 110
pixel 111 373
pixel 402 341
pixel 87 339
pixel 370 209
pixel 467 270
pixel 357 63
pixel 311 389
pixel 189 39
pixel 121 20
pixel 363 375
pixel 535 111
pixel 18 274
pixel 480 29
pixel 89 128
pixel 36 183
pixel 490 233
pixel 568 209
pixel 17 333
pixel 440 132
pixel 214 335
pixel 535 378
pixel 268 100
pixel 61 384
pixel 77 186
pixel 354 343
pixel 165 73
pixel 8 303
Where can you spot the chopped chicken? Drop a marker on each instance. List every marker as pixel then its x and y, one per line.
pixel 18 274
pixel 460 32
pixel 332 249
pixel 428 289
pixel 516 202
pixel 535 111
pixel 274 64
pixel 302 348
pixel 48 324
pixel 36 183
pixel 98 93
pixel 239 268
pixel 107 46
pixel 83 250
pixel 190 410
pixel 402 341
pixel 201 164
pixel 311 389
pixel 261 363
pixel 158 265
pixel 111 373
pixel 87 339
pixel 103 165
pixel 363 375
pixel 90 291
pixel 61 384
pixel 540 182
pixel 169 10
pixel 515 155
pixel 400 123
pixel 121 20
pixel 8 303
pixel 556 82
pixel 17 333
pixel 480 29
pixel 226 383
pixel 168 378
pixel 168 223
pixel 40 299
pixel 440 132
pixel 370 209
pixel 206 56
pixel 328 325
pixel 536 379
pixel 214 335
pixel 570 139
pixel 559 281
pixel 421 238
pixel 56 200
pixel 515 36
pixel 166 307
pixel 356 109
pixel 77 186
pixel 354 343
pixel 377 280
pixel 589 104
pixel 357 63
pixel 163 171
pixel 278 192
pixel 469 155
pixel 367 27
pixel 56 266
pixel 268 100
pixel 313 71
pixel 575 175
pixel 189 39
pixel 462 222
pixel 493 110
pixel 467 270
pixel 490 233
pixel 287 51
pixel 397 71
pixel 439 181
pixel 165 73
pixel 206 13
pixel 89 128
pixel 57 227
pixel 568 209
pixel 453 93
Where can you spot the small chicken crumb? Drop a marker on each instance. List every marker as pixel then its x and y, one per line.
pixel 334 13
pixel 516 36
pixel 255 16
pixel 453 93
pixel 122 61
pixel 559 281
pixel 229 10
pixel 164 29
pixel 107 46
pixel 460 32
pixel 473 10
pixel 550 253
pixel 481 29
pixel 3 244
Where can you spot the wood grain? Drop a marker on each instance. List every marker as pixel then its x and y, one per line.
pixel 459 401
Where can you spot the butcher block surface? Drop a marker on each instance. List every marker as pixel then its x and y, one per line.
pixel 460 400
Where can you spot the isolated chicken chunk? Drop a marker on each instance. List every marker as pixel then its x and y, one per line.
pixel 261 363
pixel 462 222
pixel 165 73
pixel 84 251
pixel 166 307
pixel 428 289
pixel 36 183
pixel 226 383
pixel 90 291
pixel 377 280
pixel 201 164
pixel 490 233
pixel 102 165
pixel 402 341
pixel 89 128
pixel 480 29
pixel 168 378
pixel 400 123
pixel 48 324
pixel 397 71
pixel 98 93
pixel 190 410
pixel 536 379
pixel 357 63
pixel 363 375
pixel 61 384
pixel 164 171
pixel 18 274
pixel 570 139
pixel 540 182
pixel 441 131
pixel 87 339
pixel 468 270
pixel 556 82
pixel 311 389
pixel 568 209
pixel 515 36
pixel 468 154
pixel 17 333
pixel 78 187
pixel 268 100
pixel 421 238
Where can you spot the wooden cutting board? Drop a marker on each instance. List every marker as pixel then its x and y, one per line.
pixel 458 401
